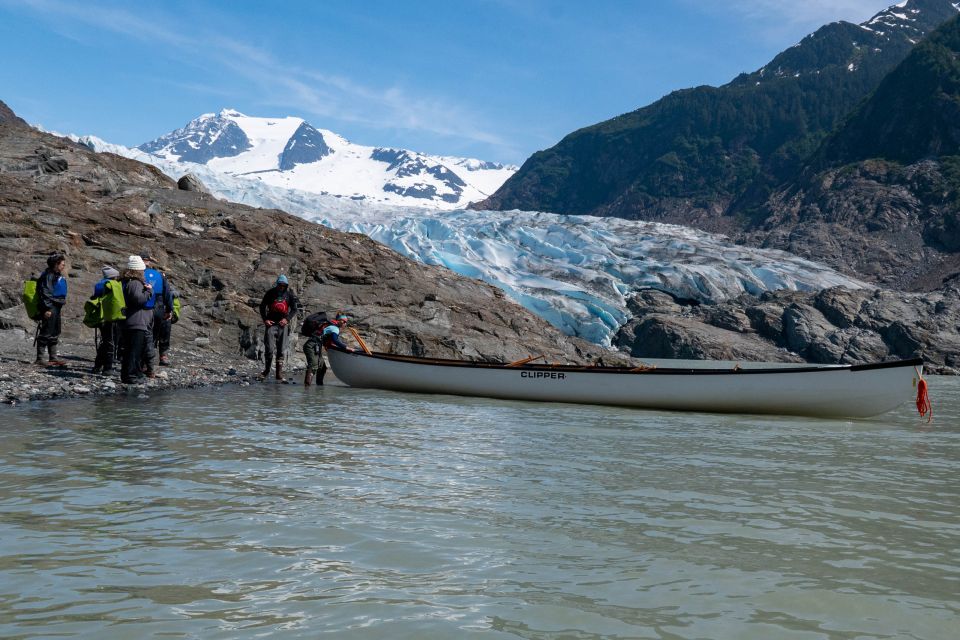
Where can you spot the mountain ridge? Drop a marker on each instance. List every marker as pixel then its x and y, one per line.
pixel 289 152
pixel 701 149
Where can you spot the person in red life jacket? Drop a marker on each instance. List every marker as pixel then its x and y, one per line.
pixel 52 290
pixel 278 307
pixel 109 331
pixel 321 334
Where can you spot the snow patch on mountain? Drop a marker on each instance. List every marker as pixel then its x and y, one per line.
pixel 290 153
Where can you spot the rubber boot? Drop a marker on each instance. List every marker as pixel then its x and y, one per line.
pixel 41 361
pixel 54 360
pixel 308 378
pixel 266 368
pixel 279 369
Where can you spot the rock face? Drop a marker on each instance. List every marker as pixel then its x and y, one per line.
pixel 886 223
pixel 306 145
pixel 223 256
pixel 832 326
pixel 202 140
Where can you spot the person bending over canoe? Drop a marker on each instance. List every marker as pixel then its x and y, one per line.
pixel 322 334
pixel 278 307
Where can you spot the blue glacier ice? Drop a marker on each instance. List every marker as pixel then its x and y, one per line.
pixel 577 272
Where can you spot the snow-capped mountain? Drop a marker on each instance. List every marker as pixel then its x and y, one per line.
pixel 577 272
pixel 292 154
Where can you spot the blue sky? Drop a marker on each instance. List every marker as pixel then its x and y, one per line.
pixel 493 79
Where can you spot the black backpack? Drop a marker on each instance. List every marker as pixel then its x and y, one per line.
pixel 313 322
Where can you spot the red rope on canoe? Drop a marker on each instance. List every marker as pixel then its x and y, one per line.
pixel 923 398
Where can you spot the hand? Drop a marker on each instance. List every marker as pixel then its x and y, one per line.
pixel 148 286
pixel 47 314
pixel 168 315
pixel 283 322
pixel 269 323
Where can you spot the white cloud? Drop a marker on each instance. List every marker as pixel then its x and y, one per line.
pixel 280 83
pixel 808 12
pixel 778 21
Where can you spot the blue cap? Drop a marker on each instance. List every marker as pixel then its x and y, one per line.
pixel 282 279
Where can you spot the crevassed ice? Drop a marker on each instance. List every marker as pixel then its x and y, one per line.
pixel 577 272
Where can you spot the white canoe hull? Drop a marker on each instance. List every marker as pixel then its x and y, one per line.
pixel 825 391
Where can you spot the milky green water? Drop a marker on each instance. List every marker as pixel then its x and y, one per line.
pixel 277 511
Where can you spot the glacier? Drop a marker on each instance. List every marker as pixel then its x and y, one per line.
pixel 577 272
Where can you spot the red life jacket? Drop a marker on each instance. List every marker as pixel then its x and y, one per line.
pixel 280 307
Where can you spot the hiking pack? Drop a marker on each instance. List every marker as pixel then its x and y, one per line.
pixel 313 323
pixel 31 298
pixel 109 307
pixel 176 307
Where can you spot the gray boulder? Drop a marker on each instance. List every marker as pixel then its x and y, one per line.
pixel 191 182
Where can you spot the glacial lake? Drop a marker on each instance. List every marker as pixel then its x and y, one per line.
pixel 280 511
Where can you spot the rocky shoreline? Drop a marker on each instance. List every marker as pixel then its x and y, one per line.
pixel 22 381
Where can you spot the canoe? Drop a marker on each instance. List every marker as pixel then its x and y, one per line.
pixel 854 391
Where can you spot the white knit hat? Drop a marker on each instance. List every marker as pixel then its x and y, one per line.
pixel 135 263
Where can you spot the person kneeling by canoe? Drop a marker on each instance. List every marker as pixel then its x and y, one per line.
pixel 322 333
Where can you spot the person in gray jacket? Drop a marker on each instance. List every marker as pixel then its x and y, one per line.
pixel 136 295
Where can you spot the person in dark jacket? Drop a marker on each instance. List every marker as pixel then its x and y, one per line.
pixel 324 335
pixel 110 331
pixel 278 307
pixel 52 289
pixel 136 294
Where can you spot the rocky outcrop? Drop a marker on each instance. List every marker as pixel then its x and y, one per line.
pixel 834 326
pixel 894 225
pixel 223 256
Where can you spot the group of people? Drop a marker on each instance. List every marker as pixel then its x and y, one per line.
pixel 278 308
pixel 139 338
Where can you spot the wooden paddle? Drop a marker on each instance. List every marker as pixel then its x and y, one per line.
pixel 363 345
pixel 518 363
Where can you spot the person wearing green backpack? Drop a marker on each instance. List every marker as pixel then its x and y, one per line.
pixel 108 291
pixel 51 296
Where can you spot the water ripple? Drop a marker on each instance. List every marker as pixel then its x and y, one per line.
pixel 236 513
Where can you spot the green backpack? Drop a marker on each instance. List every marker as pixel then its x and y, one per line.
pixel 114 307
pixel 107 308
pixel 176 307
pixel 93 312
pixel 31 298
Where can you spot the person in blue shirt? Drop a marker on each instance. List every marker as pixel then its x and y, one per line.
pixel 52 290
pixel 161 307
pixel 109 331
pixel 325 335
pixel 158 337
